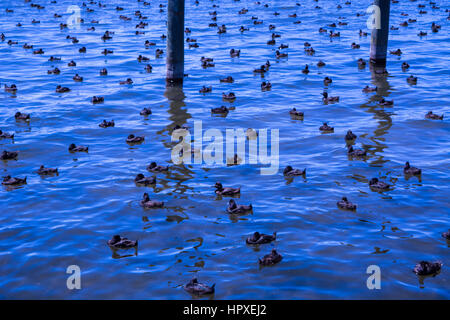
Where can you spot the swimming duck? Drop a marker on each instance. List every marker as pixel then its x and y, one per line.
pixel 228 97
pixel 435 27
pixel 375 184
pixel 422 34
pixel 135 139
pixel 145 112
pixel 290 172
pixel 207 63
pixel 242 29
pixel 384 102
pixel 306 70
pixel 6 135
pixel 271 42
pixel 425 268
pixel 327 99
pixel 38 51
pixel 327 81
pixel 394 28
pixel 2 37
pixel 362 34
pixel 9 181
pixel 11 89
pixel 27 46
pixel 158 53
pixel 11 42
pixel 262 69
pixel 234 208
pixel 52 58
pixel 355 45
pixel 72 64
pixel 106 36
pixel 141 58
pixel 310 51
pixel 103 72
pixel 205 89
pixel 361 63
pixel 96 99
pixel 266 85
pixel 270 259
pixel 235 53
pixel 74 148
pixel 155 168
pixel 411 79
pixel 220 110
pixel 433 116
pixel 77 78
pixel 334 34
pixel 368 89
pixel 106 124
pixel 47 171
pixel 397 52
pixel 148 68
pixel 260 238
pixel 222 29
pixel 323 30
pixel 326 128
pixel 196 288
pixel 128 81
pixel 279 54
pixel 107 51
pixel 228 79
pixel 320 63
pixel 226 191
pixel 121 243
pixel 60 89
pixel 141 179
pixel 147 203
pixel 446 235
pixel 283 46
pixel 295 113
pixel 9 155
pixel 148 43
pixel 22 116
pixel 346 205
pixel 356 152
pixel 411 170
pixel 350 136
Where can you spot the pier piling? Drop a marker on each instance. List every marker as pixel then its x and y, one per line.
pixel 175 41
pixel 379 40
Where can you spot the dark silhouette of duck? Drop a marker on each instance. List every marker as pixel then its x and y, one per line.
pixel 361 63
pixel 145 112
pixel 54 71
pixel 425 268
pixel 408 170
pixel 205 89
pixel 433 116
pixel 47 171
pixel 9 181
pixel 384 102
pixel 6 135
pixel 228 96
pixel 135 139
pixel 279 54
pixel 60 89
pixel 290 172
pixel 359 153
pixel 103 72
pixel 128 81
pixel 22 116
pixel 368 89
pixel 147 203
pixel 234 208
pixel 296 114
pixel 446 234
pixel 270 259
pixel 350 136
pixel 118 242
pixel 326 128
pixel 77 78
pixel 327 99
pixel 320 63
pixel 327 81
pixel 228 79
pixel 75 148
pixel 378 185
pixel 153 167
pixel 261 69
pixel 266 85
pixel 11 89
pixel 9 155
pixel 106 124
pixel 96 99
pixel 235 53
pixel 346 205
pixel 226 191
pixel 306 70
pixel 141 179
pixel 72 64
pixel 199 289
pixel 260 238
pixel 411 79
pixel 220 110
pixel 397 52
pixel 148 68
pixel 355 46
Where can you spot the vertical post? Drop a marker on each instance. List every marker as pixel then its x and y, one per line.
pixel 380 32
pixel 175 41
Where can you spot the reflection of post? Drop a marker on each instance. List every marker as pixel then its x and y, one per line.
pixel 175 41
pixel 379 41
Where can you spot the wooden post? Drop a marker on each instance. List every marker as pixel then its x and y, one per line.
pixel 379 41
pixel 175 41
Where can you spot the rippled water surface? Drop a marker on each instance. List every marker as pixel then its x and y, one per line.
pixel 53 222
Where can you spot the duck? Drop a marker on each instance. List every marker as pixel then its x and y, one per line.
pixel 11 89
pixel 411 79
pixel 306 69
pixel 310 51
pixel 261 69
pixel 235 53
pixel 77 78
pixel 220 190
pixel 375 184
pixel 422 34
pixel 207 64
pixel 295 113
pixel 283 46
pixel 261 238
pixel 397 52
pixel 141 179
pixel 408 170
pixel 9 155
pixel 355 46
pixel 54 71
pixel 82 50
pixel 220 110
pixel 155 168
pixel 228 97
pixel 446 235
pixel 205 89
pixel 148 68
pixel 334 34
pixel 425 268
pixel 346 205
pixel 6 135
pixel 234 208
pixel 368 89
pixel 266 85
pixel 327 81
pixel 119 242
pixel 242 29
pixel 394 28
pixel 107 51
pixel 270 259
pixel 52 58
pixel 322 30
pixel 146 112
pixel 27 46
pixel 106 124
pixel 22 116
pixel 60 89
pixel 356 152
pixel 199 289
pixel 320 63
pixel 384 102
pixel 326 128
pixel 46 171
pixel 279 54
pixel 148 43
pixel 75 148
pixel 228 79
pixel 435 27
pixel 96 99
pixel 72 64
pixel 147 203
pixel 271 42
pixel 350 136
pixel 327 99
pixel 135 139
pixel 361 63
pixel 38 51
pixel 106 36
pixel 158 53
pixel 290 172
pixel 128 81
pixel 433 116
pixel 222 29
pixel 103 72
pixel 362 33
pixel 141 58
pixel 9 181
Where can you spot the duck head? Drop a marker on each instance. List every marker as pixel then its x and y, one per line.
pixel 152 165
pixel 256 235
pixel 218 186
pixel 131 136
pixel 140 176
pixel 287 169
pixel 407 166
pixel 373 181
pixel 116 238
pixel 344 199
pixel 232 204
pixel 72 146
pixel 145 197
pixel 325 94
pixel 350 149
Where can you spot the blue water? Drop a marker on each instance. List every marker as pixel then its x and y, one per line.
pixel 53 222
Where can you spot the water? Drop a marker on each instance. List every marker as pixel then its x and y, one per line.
pixel 53 222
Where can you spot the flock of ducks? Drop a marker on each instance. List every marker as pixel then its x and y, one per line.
pixel 118 242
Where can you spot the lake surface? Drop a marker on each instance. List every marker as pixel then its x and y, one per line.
pixel 53 222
